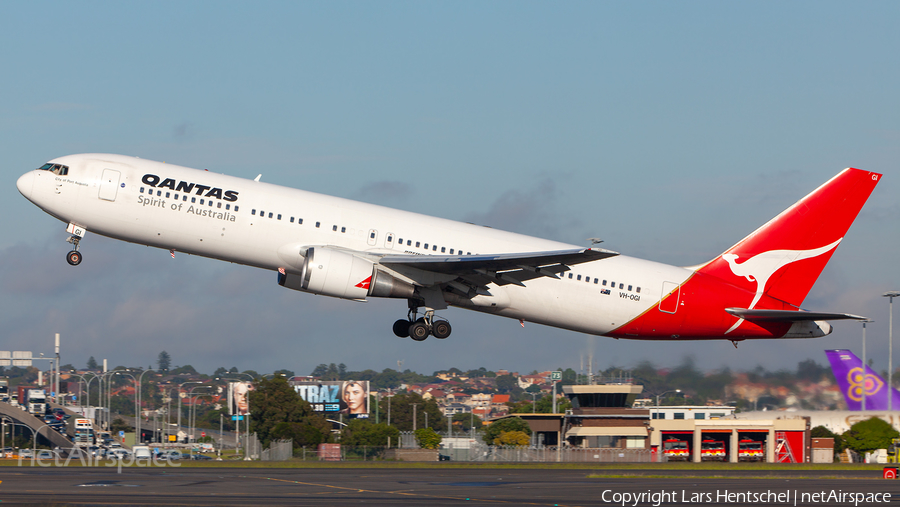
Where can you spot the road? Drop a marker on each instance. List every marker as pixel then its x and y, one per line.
pixel 413 487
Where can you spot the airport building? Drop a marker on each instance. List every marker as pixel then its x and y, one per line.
pixel 602 417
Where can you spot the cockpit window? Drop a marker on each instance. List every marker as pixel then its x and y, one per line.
pixel 59 169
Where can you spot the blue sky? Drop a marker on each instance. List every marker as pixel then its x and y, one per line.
pixel 670 130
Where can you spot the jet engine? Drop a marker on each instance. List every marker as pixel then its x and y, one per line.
pixel 341 274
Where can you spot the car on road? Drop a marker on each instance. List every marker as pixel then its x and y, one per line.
pixel 200 457
pixel 26 453
pixel 118 454
pixel 170 454
pixel 45 454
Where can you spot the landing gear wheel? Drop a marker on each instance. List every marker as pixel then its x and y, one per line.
pixel 441 329
pixel 418 331
pixel 401 328
pixel 73 258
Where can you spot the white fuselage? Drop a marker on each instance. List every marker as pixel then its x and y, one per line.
pixel 265 225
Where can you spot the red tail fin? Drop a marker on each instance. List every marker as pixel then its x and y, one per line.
pixel 783 258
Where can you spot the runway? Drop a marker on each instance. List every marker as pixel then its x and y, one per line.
pixel 433 487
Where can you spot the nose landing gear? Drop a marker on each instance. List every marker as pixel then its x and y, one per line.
pixel 74 257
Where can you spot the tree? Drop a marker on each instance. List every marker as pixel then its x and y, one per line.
pixel 401 406
pixel 466 421
pixel 284 373
pixel 220 372
pixel 276 411
pixel 866 436
pixel 823 432
pixel 363 432
pixel 164 360
pixel 514 438
pixel 427 438
pixel 506 383
pixel 508 424
pixel 92 364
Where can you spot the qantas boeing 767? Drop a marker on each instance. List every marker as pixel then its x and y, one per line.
pixel 352 250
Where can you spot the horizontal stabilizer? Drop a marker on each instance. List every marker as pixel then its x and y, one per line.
pixel 788 315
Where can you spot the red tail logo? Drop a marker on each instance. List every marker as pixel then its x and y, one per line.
pixel 364 284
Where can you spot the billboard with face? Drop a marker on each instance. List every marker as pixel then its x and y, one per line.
pixel 349 398
pixel 239 398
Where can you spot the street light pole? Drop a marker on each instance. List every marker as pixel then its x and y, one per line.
pixel 891 295
pixel 865 375
pixel 179 402
pixel 657 399
pixel 533 401
pixel 140 404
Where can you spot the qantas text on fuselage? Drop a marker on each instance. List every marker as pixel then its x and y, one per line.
pixel 352 250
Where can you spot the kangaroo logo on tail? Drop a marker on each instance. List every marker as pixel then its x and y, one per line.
pixel 762 266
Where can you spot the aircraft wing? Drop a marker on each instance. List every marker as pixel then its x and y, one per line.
pixel 788 315
pixel 501 269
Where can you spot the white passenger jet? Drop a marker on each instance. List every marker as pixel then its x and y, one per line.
pixel 352 250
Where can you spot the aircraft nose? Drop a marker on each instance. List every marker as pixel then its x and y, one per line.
pixel 25 184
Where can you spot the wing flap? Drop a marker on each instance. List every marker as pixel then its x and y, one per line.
pixel 540 263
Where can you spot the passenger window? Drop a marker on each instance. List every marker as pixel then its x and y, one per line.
pixel 629 288
pixel 389 239
pixel 579 278
pixel 142 190
pixel 638 290
pixel 176 197
pixel 279 216
pixel 167 195
pixel 409 242
pixel 604 283
pixel 417 244
pixel 292 219
pixel 400 241
pixel 227 206
pixel 318 224
pixel 218 205
pixel 270 214
pixel 334 228
pixel 434 248
pixel 468 253
pixel 426 246
pixel 587 279
pixel 595 281
pixel 621 286
pixel 372 235
pixel 235 207
pixel 210 203
pixel 193 199
pixel 201 202
pixel 159 193
pixel 343 230
pixel 300 221
pixel 443 249
pixel 184 198
pixel 570 275
pixel 451 251
pixel 612 284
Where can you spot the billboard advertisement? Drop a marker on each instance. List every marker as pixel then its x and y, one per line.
pixel 239 398
pixel 349 398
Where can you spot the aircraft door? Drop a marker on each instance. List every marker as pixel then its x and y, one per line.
pixel 373 237
pixel 109 184
pixel 671 293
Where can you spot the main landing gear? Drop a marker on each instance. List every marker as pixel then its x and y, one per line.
pixel 74 257
pixel 419 329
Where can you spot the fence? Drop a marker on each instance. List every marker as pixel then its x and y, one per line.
pixel 279 450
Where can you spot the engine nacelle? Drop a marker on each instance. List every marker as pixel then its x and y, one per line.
pixel 341 274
